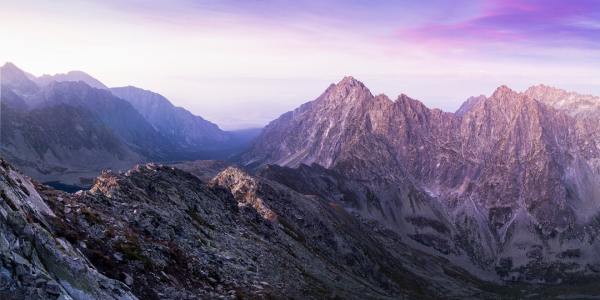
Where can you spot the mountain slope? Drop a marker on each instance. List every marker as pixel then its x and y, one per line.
pixel 187 131
pixel 61 142
pixel 167 234
pixel 54 134
pixel 117 114
pixel 586 111
pixel 467 105
pixel 247 237
pixel 507 177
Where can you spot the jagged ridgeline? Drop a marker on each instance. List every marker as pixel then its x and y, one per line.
pixel 508 187
pixel 349 196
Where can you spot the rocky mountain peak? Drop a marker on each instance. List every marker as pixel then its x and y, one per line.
pixel 350 81
pixel 469 104
pixel 37 263
pixel 12 76
pixel 504 91
pixel 347 90
pixel 8 66
pixel 245 190
pixel 545 89
pixel 546 93
pixel 508 102
pixel 570 102
pixel 403 98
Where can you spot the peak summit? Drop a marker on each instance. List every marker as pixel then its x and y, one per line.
pixel 503 92
pixel 349 80
pixel 12 69
pixel 16 78
pixel 350 83
pixel 544 91
pixel 347 90
pixel 9 65
pixel 544 87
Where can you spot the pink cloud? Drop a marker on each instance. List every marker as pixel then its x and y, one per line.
pixel 533 22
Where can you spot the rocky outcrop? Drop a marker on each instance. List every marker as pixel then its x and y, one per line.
pixel 245 191
pixel 34 262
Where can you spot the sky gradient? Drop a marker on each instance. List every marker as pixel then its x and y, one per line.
pixel 243 63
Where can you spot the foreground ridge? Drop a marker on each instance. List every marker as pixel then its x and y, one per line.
pixel 166 234
pixel 36 264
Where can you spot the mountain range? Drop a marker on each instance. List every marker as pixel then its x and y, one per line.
pixel 350 196
pixel 509 183
pixel 65 128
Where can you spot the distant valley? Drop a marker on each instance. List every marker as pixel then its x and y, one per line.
pixel 66 128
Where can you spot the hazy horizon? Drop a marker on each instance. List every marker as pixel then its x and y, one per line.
pixel 241 64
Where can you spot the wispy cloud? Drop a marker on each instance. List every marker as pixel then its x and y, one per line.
pixel 545 23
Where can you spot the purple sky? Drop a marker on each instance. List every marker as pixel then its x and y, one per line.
pixel 243 63
pixel 548 23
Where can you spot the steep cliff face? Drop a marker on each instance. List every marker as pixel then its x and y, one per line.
pixel 521 149
pixel 467 105
pixel 512 178
pixel 585 109
pixel 34 262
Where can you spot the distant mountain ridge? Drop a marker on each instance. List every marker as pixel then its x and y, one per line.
pixel 113 129
pixel 46 79
pixel 175 123
pixel 17 80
